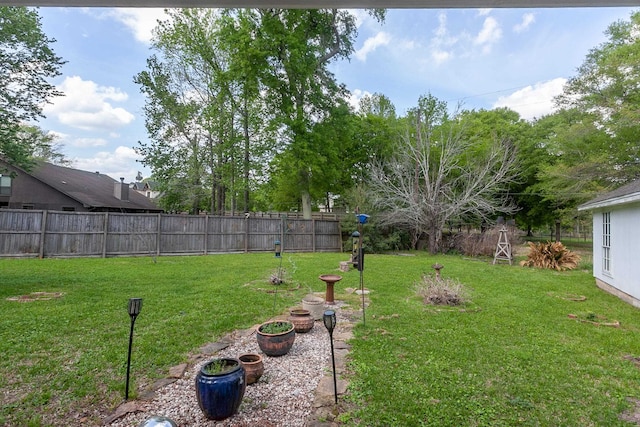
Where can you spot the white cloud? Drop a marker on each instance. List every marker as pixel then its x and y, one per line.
pixel 68 140
pixel 533 101
pixel 141 21
pixel 484 12
pixel 442 43
pixel 489 34
pixel 441 31
pixel 119 163
pixel 88 142
pixel 527 20
pixel 87 106
pixel 371 44
pixel 440 56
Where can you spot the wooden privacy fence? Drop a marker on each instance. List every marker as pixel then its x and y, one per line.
pixel 32 233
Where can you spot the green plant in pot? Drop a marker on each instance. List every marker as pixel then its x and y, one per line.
pixel 275 338
pixel 220 386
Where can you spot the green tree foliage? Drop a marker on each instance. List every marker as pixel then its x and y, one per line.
pixel 26 63
pixel 225 84
pixel 42 146
pixel 483 127
pixel 203 112
pixel 606 93
pixel 575 164
pixel 300 45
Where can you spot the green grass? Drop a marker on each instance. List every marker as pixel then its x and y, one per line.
pixel 512 357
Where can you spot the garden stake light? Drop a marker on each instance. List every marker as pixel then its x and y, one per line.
pixel 329 319
pixel 362 219
pixel 135 305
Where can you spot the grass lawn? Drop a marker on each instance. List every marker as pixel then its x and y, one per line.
pixel 511 356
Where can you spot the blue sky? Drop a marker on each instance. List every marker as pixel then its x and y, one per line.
pixel 478 58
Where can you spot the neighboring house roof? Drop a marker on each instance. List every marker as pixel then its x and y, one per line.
pixel 628 193
pixel 138 186
pixel 92 189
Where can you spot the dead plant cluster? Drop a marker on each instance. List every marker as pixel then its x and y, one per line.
pixel 481 244
pixel 441 291
pixel 551 255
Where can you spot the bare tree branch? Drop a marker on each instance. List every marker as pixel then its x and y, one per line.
pixel 436 175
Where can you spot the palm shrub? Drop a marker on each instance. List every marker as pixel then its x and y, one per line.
pixel 551 255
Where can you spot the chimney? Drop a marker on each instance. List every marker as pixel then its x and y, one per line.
pixel 121 190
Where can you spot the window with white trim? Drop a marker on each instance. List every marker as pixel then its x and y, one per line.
pixel 606 242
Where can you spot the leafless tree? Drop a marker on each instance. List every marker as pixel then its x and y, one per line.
pixel 437 174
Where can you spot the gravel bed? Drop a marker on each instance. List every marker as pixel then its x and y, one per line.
pixel 283 396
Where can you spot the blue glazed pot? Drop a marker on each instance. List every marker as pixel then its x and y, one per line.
pixel 219 395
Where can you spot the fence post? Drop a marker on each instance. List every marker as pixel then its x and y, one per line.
pixel 206 234
pixel 283 231
pixel 158 235
pixel 246 233
pixel 105 234
pixel 43 229
pixel 313 235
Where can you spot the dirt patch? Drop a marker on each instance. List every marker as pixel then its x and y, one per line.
pixel 36 296
pixel 633 414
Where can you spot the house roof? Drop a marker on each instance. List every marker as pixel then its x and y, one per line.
pixel 92 189
pixel 628 193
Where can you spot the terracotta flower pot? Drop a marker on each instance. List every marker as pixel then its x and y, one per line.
pixel 253 366
pixel 301 319
pixel 275 344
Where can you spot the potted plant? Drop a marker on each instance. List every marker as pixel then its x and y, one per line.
pixel 220 387
pixel 276 337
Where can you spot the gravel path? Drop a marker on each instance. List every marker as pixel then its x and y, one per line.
pixel 283 396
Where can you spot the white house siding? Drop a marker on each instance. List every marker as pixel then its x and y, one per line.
pixel 623 279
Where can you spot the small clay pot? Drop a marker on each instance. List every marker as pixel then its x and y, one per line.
pixel 253 366
pixel 301 319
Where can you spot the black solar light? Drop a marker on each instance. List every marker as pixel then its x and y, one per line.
pixel 329 319
pixel 135 305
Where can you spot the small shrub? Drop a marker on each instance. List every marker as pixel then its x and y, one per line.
pixel 219 366
pixel 552 255
pixel 441 291
pixel 276 327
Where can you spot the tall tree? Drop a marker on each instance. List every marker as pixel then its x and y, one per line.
pixel 607 87
pixel 572 165
pixel 438 172
pixel 42 146
pixel 26 63
pixel 300 45
pixel 484 126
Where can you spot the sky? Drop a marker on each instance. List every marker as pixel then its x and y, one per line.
pixel 469 58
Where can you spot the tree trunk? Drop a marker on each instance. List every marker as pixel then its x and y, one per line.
pixel 306 204
pixel 247 156
pixel 435 239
